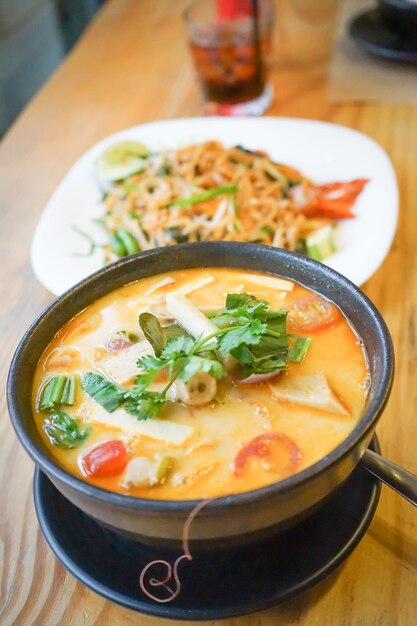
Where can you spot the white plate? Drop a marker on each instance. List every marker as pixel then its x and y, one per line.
pixel 324 152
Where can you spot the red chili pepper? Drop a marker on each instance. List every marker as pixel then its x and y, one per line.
pixel 333 200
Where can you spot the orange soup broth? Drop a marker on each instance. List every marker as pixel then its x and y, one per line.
pixel 203 465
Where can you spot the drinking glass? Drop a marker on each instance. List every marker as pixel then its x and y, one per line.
pixel 230 42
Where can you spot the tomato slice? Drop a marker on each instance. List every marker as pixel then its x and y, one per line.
pixel 107 459
pixel 312 313
pixel 265 446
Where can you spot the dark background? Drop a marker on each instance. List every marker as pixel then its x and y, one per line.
pixel 35 36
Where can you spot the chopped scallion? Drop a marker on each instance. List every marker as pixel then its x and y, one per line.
pixel 299 349
pixel 52 393
pixel 68 394
pixel 206 195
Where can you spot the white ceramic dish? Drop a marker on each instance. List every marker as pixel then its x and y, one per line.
pixel 324 152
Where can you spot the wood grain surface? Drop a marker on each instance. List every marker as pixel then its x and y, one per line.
pixel 132 66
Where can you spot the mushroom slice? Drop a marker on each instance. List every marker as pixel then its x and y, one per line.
pixel 199 390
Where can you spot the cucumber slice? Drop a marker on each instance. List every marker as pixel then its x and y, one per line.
pixel 321 244
pixel 121 160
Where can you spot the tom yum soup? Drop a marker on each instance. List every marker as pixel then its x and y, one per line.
pixel 199 383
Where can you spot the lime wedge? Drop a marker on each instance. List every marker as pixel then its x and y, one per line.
pixel 121 160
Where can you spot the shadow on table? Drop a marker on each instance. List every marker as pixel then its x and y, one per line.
pixel 395 540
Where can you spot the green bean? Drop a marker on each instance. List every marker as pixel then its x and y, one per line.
pixel 129 242
pixel 117 245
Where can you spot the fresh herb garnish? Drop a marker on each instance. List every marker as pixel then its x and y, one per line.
pixel 182 358
pixel 58 390
pixel 103 391
pixel 253 334
pixel 153 331
pixel 158 335
pixel 144 405
pixel 149 366
pixel 64 431
pixel 196 364
pixel 260 341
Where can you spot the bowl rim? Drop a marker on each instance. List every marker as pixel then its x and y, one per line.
pixel 401 7
pixel 47 463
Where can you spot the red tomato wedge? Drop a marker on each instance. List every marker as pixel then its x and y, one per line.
pixel 312 314
pixel 269 446
pixel 107 459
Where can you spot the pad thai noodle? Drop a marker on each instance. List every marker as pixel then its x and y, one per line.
pixel 212 192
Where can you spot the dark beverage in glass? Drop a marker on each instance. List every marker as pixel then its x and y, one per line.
pixel 231 56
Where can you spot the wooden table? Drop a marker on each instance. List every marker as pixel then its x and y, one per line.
pixel 132 66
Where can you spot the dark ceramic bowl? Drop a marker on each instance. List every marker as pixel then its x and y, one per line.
pixel 399 15
pixel 230 518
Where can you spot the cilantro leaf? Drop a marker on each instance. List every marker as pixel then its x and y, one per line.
pixel 180 346
pixel 260 343
pixel 195 364
pixel 144 405
pixel 248 334
pixel 241 308
pixel 236 300
pixel 151 366
pixel 64 430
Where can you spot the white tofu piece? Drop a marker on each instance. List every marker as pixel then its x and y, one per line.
pixel 311 391
pixel 162 430
pixel 121 366
pixel 269 281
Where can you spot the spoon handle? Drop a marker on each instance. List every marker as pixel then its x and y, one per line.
pixel 396 477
